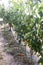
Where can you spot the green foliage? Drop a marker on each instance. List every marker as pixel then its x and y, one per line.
pixel 28 24
pixel 2 10
pixel 41 60
pixel 27 18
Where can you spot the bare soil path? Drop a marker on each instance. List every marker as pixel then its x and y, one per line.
pixel 5 59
